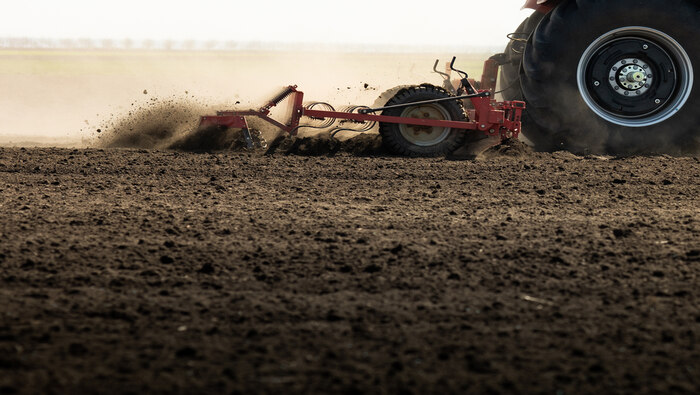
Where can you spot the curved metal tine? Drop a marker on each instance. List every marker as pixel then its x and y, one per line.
pixel 444 75
pixel 365 127
pixel 452 67
pixel 326 125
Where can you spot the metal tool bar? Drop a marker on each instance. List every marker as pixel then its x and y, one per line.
pixel 417 103
pixel 388 119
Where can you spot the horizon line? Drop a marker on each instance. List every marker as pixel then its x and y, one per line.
pixel 228 45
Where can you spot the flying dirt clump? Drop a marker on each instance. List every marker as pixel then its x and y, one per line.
pixel 156 125
pixel 167 124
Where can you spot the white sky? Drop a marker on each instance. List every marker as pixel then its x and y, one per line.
pixel 417 22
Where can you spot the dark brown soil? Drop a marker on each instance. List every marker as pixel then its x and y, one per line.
pixel 142 271
pixel 322 144
pixel 510 147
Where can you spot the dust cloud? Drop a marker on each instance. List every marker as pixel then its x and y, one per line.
pixel 150 99
pixel 158 124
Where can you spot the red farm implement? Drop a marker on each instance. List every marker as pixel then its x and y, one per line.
pixel 424 120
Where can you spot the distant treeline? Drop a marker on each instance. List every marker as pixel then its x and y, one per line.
pixel 194 45
pixel 126 44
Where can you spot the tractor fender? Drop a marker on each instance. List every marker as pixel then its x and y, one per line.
pixel 543 6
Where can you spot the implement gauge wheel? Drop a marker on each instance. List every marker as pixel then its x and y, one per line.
pixel 412 140
pixel 614 76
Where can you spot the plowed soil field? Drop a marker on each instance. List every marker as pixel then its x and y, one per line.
pixel 146 271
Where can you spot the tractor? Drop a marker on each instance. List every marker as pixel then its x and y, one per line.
pixel 588 76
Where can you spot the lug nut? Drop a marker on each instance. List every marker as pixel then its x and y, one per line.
pixel 596 83
pixel 645 46
pixel 657 101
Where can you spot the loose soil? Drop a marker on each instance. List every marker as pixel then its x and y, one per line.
pixel 146 271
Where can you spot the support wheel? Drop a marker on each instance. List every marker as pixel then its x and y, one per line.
pixel 412 140
pixel 614 77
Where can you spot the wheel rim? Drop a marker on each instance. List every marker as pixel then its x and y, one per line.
pixel 425 136
pixel 635 76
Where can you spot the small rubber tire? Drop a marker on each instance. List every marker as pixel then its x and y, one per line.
pixel 395 141
pixel 553 74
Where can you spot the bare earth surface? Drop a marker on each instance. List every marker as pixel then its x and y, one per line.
pixel 134 271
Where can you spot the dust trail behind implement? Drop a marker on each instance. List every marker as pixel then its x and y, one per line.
pixel 156 125
pixel 173 124
pixel 162 115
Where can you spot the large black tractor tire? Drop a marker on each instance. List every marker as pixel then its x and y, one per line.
pixel 509 75
pixel 614 77
pixel 418 141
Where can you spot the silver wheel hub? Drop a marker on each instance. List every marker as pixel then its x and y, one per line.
pixel 425 136
pixel 631 77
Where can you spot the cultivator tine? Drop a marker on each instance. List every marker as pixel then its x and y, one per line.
pixel 251 140
pixel 248 138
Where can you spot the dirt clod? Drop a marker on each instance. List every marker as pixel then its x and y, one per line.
pixel 510 147
pixel 322 144
pixel 207 268
pixel 208 139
